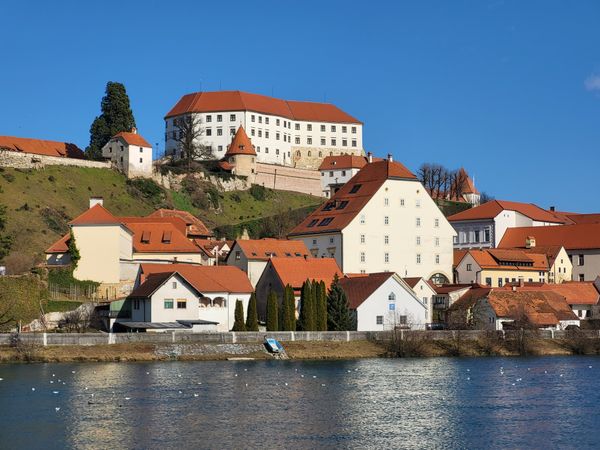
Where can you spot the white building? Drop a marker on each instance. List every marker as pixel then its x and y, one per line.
pixel 337 171
pixel 382 220
pixel 425 291
pixel 485 225
pixel 183 296
pixel 130 153
pixel 383 301
pixel 284 132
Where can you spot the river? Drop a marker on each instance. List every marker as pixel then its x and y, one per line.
pixel 471 403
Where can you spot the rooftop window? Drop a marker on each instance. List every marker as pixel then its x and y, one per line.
pixel 312 223
pixel 342 204
pixel 325 221
pixel 355 188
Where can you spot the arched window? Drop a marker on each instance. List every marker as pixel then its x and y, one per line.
pixel 439 278
pixel 298 153
pixel 320 154
pixel 309 154
pixel 392 297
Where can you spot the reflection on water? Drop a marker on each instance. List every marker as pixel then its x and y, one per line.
pixel 402 403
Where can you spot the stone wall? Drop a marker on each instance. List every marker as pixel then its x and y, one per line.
pixel 311 158
pixel 9 158
pixel 289 179
pixel 173 181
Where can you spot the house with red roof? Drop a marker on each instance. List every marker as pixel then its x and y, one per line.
pixel 40 147
pixel 381 220
pixel 425 291
pixel 384 301
pixel 484 226
pixel 284 132
pixel 337 170
pixel 129 153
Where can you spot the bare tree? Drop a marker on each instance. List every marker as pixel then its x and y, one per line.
pixel 458 180
pixel 188 134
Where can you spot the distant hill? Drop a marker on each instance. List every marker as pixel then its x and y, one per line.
pixel 40 203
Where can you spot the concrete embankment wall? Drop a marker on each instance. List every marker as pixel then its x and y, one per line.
pixel 257 337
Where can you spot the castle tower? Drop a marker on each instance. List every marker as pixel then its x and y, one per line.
pixel 240 157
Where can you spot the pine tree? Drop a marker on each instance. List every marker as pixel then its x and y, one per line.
pixel 291 301
pixel 321 307
pixel 116 116
pixel 238 324
pixel 339 317
pixel 305 306
pixel 272 312
pixel 252 316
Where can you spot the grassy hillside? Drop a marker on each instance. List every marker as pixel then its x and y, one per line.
pixel 40 203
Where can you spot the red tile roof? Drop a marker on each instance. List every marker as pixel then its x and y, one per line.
pixel 336 213
pixel 175 221
pixel 575 292
pixel 196 227
pixel 541 308
pixel 96 215
pixel 204 278
pixel 41 147
pixel 360 288
pixel 132 139
pixel 295 271
pixel 468 186
pixel 160 238
pixel 345 162
pixel 263 249
pixel 240 144
pixel 244 101
pixel 60 246
pixel 469 298
pixel 412 281
pixel 571 237
pixel 492 208
pixel 584 218
pixel 496 259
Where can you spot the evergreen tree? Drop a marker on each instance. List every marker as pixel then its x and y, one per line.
pixel 116 116
pixel 305 307
pixel 291 300
pixel 252 316
pixel 339 317
pixel 272 312
pixel 312 312
pixel 284 313
pixel 239 325
pixel 321 307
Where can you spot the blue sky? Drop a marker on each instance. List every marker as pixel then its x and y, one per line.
pixel 509 90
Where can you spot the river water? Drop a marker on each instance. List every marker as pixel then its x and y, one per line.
pixel 470 403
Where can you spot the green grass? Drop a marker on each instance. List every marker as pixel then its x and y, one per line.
pixel 61 306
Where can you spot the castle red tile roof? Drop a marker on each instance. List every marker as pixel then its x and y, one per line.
pixel 202 102
pixel 571 237
pixel 196 227
pixel 345 162
pixel 360 288
pixel 160 238
pixel 96 215
pixel 240 145
pixel 41 147
pixel 132 139
pixel 205 279
pixel 492 208
pixel 263 249
pixel 335 214
pixel 295 271
pixel 60 246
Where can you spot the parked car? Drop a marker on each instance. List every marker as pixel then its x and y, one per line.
pixel 436 326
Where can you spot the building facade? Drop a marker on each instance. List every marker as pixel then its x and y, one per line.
pixel 284 132
pixel 129 153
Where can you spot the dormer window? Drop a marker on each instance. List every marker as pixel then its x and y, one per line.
pixel 145 237
pixel 166 239
pixel 355 188
pixel 326 221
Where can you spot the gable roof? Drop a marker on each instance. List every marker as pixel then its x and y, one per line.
pixel 468 187
pixel 41 147
pixel 571 237
pixel 204 278
pixel 295 271
pixel 175 221
pixel 360 288
pixel 60 246
pixel 584 218
pixel 336 213
pixel 491 209
pixel 201 102
pixel 240 144
pixel 263 249
pixel 195 226
pixel 96 215
pixel 575 292
pixel 345 162
pixel 161 237
pixel 505 258
pixel 469 298
pixel 153 282
pixel 541 308
pixel 132 139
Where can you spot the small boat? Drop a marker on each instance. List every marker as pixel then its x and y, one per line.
pixel 273 345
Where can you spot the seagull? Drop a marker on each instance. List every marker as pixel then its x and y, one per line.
pixel 180 392
pixel 1 379
pixel 589 367
pixel 51 382
pixel 468 378
pixel 57 409
pixel 246 384
pixel 53 374
pixel 199 382
pixel 286 384
pixel 55 392
pixel 322 384
pixel 33 389
pixel 147 373
pixel 314 376
pixel 72 371
pixel 468 370
pixel 302 376
pixel 235 375
pixel 196 395
pixel 127 398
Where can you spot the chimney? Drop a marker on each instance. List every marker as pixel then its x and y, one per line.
pixel 552 208
pixel 134 130
pixel 370 157
pixel 514 288
pixel 96 201
pixel 390 158
pixel 530 242
pixel 521 282
pixel 306 257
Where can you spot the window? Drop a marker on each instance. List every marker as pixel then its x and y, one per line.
pixel 362 257
pixel 267 121
pixel 237 255
pixel 418 258
pixel 379 320
pixel 392 307
pixel 259 119
pixel 220 132
pixel 297 140
pixel 362 238
pixel 309 127
pixel 362 219
pixel 386 239
pixel 297 126
pixel 331 240
pixel 252 118
pixel 418 203
pixel 386 220
pixel 181 304
pixel 325 221
pixel 333 142
pixel 353 130
pixel 437 241
pixel 277 122
pixel 436 223
pixel 344 129
pixel 322 127
pixel 344 142
pixel 401 202
pixel 136 304
pixel 437 259
pixel 219 118
pixel 259 133
pixel 353 143
pixel 333 128
pixel 323 142
pixel 232 117
pixel 581 260
pixel 209 132
pixel 469 267
pixel 141 160
pixel 418 239
pixel 386 202
pixel 486 235
pixel 500 282
pixel 209 118
pixel 403 320
pixel 141 150
pixel 581 277
pixel 312 223
pixel 174 285
pixel 476 235
pixel 355 188
pixel 168 303
pixel 277 135
pixel 392 297
pixel 386 257
pixel 418 221
pixel 232 131
pixel 309 140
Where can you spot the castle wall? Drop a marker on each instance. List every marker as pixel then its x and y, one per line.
pixel 9 158
pixel 289 179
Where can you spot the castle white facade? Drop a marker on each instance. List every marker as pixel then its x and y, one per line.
pixel 289 133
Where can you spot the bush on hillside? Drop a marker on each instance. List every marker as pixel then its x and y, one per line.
pixel 21 300
pixel 56 220
pixel 146 188
pixel 259 193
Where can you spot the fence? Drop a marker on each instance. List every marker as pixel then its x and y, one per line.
pixel 72 292
pixel 284 336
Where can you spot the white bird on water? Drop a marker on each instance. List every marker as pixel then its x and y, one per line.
pixel 127 398
pixel 57 409
pixel 33 389
pixel 196 395
pixel 55 392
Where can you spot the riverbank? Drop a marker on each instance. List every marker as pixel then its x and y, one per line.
pixel 299 350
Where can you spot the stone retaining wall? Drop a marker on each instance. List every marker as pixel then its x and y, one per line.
pixel 18 160
pixel 289 179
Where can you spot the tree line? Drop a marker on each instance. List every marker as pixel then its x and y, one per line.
pixel 320 310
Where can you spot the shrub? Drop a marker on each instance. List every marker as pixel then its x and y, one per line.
pixel 51 179
pixel 145 188
pixel 258 192
pixel 8 177
pixel 55 220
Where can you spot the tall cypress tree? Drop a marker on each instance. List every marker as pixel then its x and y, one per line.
pixel 272 312
pixel 321 307
pixel 312 312
pixel 284 314
pixel 305 307
pixel 291 300
pixel 339 317
pixel 116 116
pixel 251 315
pixel 238 324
